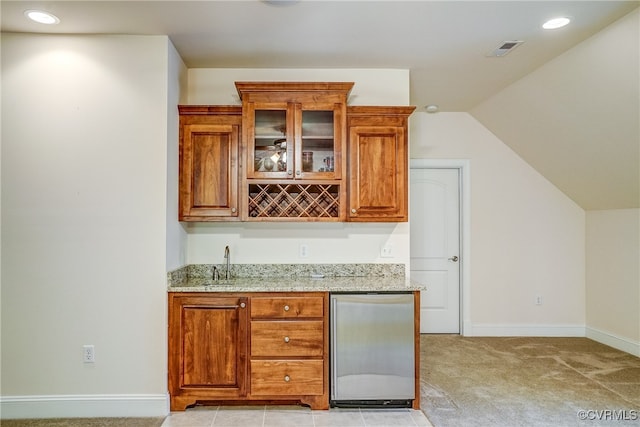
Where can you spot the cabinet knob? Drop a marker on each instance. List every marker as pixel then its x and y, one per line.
pixel 298 173
pixel 354 210
pixel 233 210
pixel 287 378
pixel 286 339
pixel 242 305
pixel 289 172
pixel 286 308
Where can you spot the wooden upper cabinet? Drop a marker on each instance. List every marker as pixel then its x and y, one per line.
pixel 294 130
pixel 378 163
pixel 209 163
pixel 293 151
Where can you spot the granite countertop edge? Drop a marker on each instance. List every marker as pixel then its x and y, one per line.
pixel 303 284
pixel 294 277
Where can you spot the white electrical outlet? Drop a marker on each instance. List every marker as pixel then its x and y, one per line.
pixel 386 251
pixel 88 354
pixel 538 300
pixel 304 251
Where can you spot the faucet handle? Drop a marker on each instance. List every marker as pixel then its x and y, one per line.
pixel 216 273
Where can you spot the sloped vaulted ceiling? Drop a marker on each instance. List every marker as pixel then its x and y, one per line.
pixel 576 119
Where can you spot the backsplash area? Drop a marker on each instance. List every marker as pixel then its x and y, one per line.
pixel 178 276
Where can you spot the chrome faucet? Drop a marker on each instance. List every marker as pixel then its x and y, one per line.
pixel 227 256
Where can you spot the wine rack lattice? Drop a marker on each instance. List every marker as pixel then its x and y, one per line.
pixel 294 201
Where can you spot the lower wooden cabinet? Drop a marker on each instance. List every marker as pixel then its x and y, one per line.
pixel 207 347
pixel 267 347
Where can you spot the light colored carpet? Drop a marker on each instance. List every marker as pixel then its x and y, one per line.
pixel 527 382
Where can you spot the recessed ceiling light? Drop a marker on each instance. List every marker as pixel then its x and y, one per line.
pixel 554 23
pixel 42 17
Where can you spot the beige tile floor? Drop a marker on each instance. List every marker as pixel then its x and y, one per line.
pixel 294 416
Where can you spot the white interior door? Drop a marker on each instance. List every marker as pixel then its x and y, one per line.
pixel 435 246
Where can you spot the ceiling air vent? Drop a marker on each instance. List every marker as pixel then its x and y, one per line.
pixel 505 47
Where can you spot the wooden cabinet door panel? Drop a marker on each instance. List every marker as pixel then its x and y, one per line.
pixel 377 160
pixel 378 163
pixel 287 338
pixel 287 377
pixel 210 347
pixel 209 171
pixel 213 344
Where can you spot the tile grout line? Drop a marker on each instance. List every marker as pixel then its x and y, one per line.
pixel 215 415
pixel 364 422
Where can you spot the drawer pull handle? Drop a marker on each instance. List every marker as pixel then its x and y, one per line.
pixel 286 308
pixel 287 378
pixel 286 339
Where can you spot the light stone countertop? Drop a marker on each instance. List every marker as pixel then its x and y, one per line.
pixel 261 278
pixel 306 284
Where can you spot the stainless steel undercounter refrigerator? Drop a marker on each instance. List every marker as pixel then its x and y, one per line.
pixel 372 349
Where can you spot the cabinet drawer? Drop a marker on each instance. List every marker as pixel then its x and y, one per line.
pixel 287 338
pixel 287 307
pixel 286 377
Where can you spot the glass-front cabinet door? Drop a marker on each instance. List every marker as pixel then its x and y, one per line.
pixel 294 141
pixel 318 142
pixel 270 154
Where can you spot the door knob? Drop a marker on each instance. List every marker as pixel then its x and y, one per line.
pixel 454 258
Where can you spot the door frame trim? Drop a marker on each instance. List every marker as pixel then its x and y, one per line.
pixel 464 170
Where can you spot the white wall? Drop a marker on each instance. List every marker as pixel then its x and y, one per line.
pixel 279 243
pixel 372 86
pixel 177 93
pixel 84 172
pixel 527 238
pixel 613 278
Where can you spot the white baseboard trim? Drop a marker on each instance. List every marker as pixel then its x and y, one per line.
pixel 523 330
pixel 77 406
pixel 615 341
